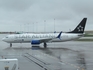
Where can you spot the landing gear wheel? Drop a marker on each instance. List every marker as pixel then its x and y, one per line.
pixel 45 45
pixel 10 44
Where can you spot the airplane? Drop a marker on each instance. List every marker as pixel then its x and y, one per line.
pixel 35 39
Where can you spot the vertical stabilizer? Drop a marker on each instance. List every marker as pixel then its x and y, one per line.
pixel 80 28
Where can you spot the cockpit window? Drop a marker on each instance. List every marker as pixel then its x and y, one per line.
pixel 6 37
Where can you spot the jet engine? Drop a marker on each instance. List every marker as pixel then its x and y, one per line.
pixel 35 42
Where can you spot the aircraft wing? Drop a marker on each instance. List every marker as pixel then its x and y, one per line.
pixel 45 40
pixel 49 39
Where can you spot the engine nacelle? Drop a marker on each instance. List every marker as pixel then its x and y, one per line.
pixel 35 42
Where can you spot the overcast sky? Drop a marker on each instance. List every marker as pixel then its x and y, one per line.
pixel 41 15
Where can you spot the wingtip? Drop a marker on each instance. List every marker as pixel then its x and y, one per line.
pixel 85 18
pixel 59 34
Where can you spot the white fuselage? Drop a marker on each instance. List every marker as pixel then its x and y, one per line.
pixel 27 38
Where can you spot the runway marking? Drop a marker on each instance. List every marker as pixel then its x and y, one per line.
pixel 72 65
pixel 36 61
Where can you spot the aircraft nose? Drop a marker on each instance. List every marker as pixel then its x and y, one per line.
pixel 3 39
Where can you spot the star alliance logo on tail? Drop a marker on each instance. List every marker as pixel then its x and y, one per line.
pixel 80 28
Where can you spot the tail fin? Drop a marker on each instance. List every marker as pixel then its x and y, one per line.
pixel 80 28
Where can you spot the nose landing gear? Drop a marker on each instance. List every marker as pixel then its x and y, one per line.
pixel 10 44
pixel 45 45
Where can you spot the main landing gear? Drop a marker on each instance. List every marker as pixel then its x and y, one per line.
pixel 10 44
pixel 45 45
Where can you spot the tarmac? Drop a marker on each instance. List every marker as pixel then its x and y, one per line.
pixel 71 55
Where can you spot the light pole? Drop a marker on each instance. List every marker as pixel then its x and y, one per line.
pixel 37 27
pixel 44 25
pixel 33 27
pixel 28 27
pixel 54 24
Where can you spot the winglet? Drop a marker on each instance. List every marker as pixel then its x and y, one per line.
pixel 59 35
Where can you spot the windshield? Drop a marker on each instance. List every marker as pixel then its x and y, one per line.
pixel 6 37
